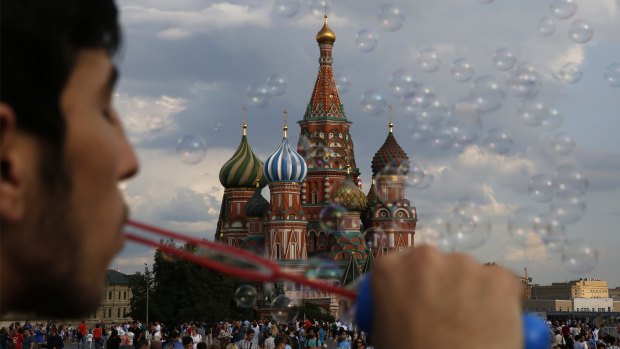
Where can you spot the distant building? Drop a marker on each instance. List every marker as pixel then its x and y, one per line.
pixel 615 293
pixel 600 305
pixel 114 306
pixel 582 288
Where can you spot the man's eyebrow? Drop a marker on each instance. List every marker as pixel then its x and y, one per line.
pixel 112 79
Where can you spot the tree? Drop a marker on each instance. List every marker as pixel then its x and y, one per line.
pixel 182 291
pixel 314 311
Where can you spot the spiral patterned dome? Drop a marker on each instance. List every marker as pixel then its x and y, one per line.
pixel 350 196
pixel 285 165
pixel 390 154
pixel 243 169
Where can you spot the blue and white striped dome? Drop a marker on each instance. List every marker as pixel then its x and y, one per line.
pixel 285 165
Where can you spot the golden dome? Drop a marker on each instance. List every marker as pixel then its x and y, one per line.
pixel 325 35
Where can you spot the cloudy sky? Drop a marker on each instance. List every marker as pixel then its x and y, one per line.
pixel 189 66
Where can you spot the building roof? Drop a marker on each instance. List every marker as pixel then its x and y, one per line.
pixel 243 169
pixel 350 196
pixel 351 272
pixel 390 154
pixel 257 205
pixel 116 278
pixel 285 164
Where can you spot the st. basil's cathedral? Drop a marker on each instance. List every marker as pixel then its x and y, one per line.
pixel 320 174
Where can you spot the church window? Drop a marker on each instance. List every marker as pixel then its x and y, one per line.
pixel 290 200
pixel 331 135
pixel 110 295
pixel 315 196
pixel 278 252
pixel 280 200
pixel 119 312
pixel 238 208
pixel 109 313
pixel 124 294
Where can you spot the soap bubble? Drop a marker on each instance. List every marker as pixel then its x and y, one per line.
pixel 467 227
pixel 463 132
pixel 552 120
pixel 245 296
pixel 330 217
pixel 498 141
pixel 488 93
pixel 375 238
pixel 561 144
pixel 542 187
pixel 191 149
pixel 278 84
pixel 283 310
pixel 440 139
pixel 433 113
pixel 563 9
pixel 546 26
pixel 433 231
pixel 402 84
pixel 426 181
pixel 428 60
pixel 319 156
pixel 612 74
pixel 462 70
pixel 580 31
pixel 416 174
pixel 391 17
pixel 365 40
pixel 319 7
pixel 423 95
pixel 570 73
pixel 526 226
pixel 323 269
pixel 259 95
pixel 524 81
pixel 531 112
pixel 217 126
pixel 421 133
pixel 569 182
pixel 342 83
pixel 287 8
pixel 579 257
pixel 389 177
pixel 466 109
pixel 373 103
pixel 504 59
pixel 567 211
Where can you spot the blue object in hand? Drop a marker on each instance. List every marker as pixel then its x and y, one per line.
pixel 535 331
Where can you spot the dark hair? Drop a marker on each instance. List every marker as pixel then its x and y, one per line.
pixel 278 340
pixel 187 340
pixel 40 43
pixel 201 345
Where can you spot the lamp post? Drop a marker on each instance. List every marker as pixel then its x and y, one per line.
pixel 146 273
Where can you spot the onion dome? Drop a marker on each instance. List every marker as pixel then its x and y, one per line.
pixel 244 168
pixel 390 154
pixel 257 205
pixel 326 35
pixel 285 164
pixel 350 196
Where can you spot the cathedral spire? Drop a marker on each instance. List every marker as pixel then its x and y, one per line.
pixel 390 124
pixel 285 127
pixel 245 121
pixel 325 101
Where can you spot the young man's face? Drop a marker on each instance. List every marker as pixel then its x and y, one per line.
pixel 72 232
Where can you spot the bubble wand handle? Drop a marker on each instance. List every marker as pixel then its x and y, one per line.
pixel 535 331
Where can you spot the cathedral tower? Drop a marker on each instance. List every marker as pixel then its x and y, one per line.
pixel 239 176
pixel 390 216
pixel 285 221
pixel 324 142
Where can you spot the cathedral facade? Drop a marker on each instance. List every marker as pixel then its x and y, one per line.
pixel 316 205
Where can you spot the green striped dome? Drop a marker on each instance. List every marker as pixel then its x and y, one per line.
pixel 243 169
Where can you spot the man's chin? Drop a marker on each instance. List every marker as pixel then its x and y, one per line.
pixel 67 300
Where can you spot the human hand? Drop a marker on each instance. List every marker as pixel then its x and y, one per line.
pixel 424 298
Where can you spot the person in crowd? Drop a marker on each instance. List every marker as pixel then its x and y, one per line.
pixel 54 341
pixel 312 341
pixel 28 338
pixel 359 343
pixel 279 343
pixel 114 342
pixel 270 341
pixel 248 341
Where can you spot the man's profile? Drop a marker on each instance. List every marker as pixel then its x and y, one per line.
pixel 63 152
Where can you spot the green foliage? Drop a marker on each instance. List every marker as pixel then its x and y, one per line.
pixel 314 311
pixel 182 291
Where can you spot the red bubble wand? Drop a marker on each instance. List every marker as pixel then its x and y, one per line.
pixel 229 260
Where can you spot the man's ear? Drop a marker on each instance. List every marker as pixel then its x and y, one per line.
pixel 14 153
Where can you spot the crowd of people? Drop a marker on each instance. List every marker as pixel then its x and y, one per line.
pixel 581 335
pixel 261 334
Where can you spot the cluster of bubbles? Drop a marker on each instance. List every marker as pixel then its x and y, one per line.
pixel 260 94
pixel 391 18
pixel 191 149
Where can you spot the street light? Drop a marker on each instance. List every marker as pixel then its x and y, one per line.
pixel 146 273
